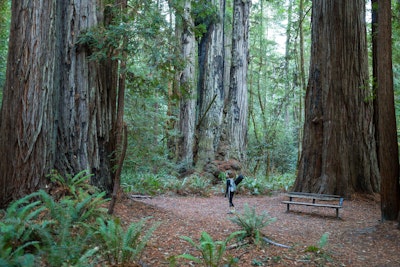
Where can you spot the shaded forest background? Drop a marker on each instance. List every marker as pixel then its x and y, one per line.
pixel 279 42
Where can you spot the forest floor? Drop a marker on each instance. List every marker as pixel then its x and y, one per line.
pixel 357 238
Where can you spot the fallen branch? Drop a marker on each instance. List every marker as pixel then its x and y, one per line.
pixel 238 244
pixel 269 241
pixel 139 196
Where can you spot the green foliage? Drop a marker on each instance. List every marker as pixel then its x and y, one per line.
pixel 318 249
pixel 255 186
pixel 120 246
pixel 54 235
pixel 39 230
pixel 204 14
pixel 264 185
pixel 5 17
pixel 154 184
pixel 16 239
pixel 77 186
pixel 145 183
pixel 212 252
pixel 252 223
pixel 323 241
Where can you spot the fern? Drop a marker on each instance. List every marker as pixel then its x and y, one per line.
pixel 252 223
pixel 121 246
pixel 212 252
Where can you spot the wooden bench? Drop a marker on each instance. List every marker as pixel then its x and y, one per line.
pixel 310 199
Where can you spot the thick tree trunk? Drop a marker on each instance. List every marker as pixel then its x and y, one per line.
pixel 234 133
pixel 86 115
pixel 28 130
pixel 187 88
pixel 339 153
pixel 56 114
pixel 385 118
pixel 210 91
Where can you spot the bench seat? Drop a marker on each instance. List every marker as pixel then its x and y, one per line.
pixel 314 197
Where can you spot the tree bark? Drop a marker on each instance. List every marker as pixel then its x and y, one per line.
pixel 339 152
pixel 234 133
pixel 385 118
pixel 28 130
pixel 87 109
pixel 187 113
pixel 56 113
pixel 210 90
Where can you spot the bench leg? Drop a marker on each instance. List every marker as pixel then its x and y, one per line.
pixel 287 209
pixel 337 212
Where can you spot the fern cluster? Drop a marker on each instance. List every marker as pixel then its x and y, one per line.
pixel 252 223
pixel 212 252
pixel 73 230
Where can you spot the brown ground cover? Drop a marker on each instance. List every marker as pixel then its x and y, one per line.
pixel 358 238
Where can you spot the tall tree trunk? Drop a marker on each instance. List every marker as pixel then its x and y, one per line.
pixel 385 118
pixel 234 133
pixel 289 87
pixel 55 113
pixel 119 129
pixel 210 90
pixel 339 153
pixel 302 77
pixel 187 88
pixel 86 114
pixel 28 130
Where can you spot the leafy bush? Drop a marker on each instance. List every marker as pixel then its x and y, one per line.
pixel 212 252
pixel 252 223
pixel 255 186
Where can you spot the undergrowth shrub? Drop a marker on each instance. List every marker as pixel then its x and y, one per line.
pixel 40 230
pixel 155 184
pixel 121 246
pixel 252 223
pixel 212 252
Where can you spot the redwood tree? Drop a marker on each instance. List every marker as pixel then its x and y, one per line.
pixel 385 118
pixel 234 128
pixel 56 114
pixel 187 114
pixel 210 83
pixel 339 153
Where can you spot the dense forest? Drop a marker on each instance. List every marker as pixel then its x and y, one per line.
pixel 199 88
pixel 104 97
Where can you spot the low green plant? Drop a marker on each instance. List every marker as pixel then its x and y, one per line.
pixel 199 185
pixel 323 241
pixel 143 183
pixel 120 246
pixel 255 186
pixel 318 249
pixel 39 229
pixel 77 185
pixel 212 252
pixel 17 244
pixel 252 223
